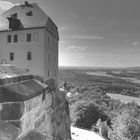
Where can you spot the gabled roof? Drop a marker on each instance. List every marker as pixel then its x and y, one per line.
pixel 16 85
pixel 29 16
pixel 21 91
pixel 38 18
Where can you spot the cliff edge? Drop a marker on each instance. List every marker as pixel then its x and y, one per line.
pixel 39 112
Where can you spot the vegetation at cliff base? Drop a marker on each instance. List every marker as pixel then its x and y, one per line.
pixel 91 108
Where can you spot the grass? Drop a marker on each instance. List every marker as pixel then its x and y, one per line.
pixel 124 98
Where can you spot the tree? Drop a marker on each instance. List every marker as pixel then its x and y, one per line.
pixel 125 126
pixel 85 114
pixel 102 128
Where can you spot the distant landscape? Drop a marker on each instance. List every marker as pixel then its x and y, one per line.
pixel 99 95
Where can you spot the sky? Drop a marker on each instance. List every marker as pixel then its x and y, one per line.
pixel 94 33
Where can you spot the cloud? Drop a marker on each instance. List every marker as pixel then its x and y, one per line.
pixel 120 58
pixel 135 43
pixel 77 48
pixel 5 5
pixel 83 37
pixel 131 43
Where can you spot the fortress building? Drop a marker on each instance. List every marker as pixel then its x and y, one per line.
pixel 31 109
pixel 29 40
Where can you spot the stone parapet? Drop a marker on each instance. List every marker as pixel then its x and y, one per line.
pixel 41 117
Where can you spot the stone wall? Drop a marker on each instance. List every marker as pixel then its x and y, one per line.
pixel 55 123
pixel 44 117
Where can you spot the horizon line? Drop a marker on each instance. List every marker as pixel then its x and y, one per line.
pixel 99 66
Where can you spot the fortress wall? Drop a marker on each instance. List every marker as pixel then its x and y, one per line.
pixel 44 117
pixel 54 123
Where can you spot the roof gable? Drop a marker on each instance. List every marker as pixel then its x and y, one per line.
pixel 29 16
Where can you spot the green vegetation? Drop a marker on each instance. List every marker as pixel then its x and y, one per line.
pixel 85 114
pixel 124 98
pixel 80 81
pixel 126 125
pixel 92 109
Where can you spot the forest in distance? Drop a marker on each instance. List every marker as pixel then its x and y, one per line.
pixel 92 108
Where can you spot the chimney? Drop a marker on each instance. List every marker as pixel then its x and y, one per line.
pixel 26 3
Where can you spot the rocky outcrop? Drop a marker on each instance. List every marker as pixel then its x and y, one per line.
pixel 60 117
pixel 44 116
pixel 57 121
pixel 57 126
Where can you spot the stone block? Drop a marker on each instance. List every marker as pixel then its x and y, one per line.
pixel 8 131
pixel 11 111
pixel 31 110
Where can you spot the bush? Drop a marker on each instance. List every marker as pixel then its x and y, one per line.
pixel 85 114
pixel 125 126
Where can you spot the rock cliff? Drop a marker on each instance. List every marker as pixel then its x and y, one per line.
pixel 54 124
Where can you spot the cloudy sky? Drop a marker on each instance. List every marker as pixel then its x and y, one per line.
pixel 94 32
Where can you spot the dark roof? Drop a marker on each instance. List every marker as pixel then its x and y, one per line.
pixel 38 18
pixel 31 16
pixel 21 91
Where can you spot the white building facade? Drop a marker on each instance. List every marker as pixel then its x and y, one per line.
pixel 29 40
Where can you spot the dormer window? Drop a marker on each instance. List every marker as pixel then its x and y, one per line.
pixel 29 13
pixel 14 23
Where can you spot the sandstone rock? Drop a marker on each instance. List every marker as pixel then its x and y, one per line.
pixel 32 110
pixel 8 131
pixel 57 121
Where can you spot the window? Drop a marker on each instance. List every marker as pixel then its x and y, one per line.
pixel 22 37
pixel 28 37
pixel 11 56
pixel 9 38
pixel 15 38
pixel 35 36
pixel 29 55
pixel 29 13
